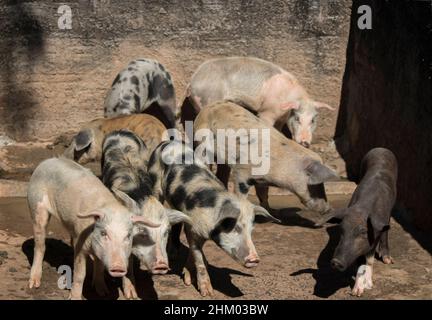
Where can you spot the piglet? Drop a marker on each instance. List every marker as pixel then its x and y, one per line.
pixel 99 225
pixel 366 221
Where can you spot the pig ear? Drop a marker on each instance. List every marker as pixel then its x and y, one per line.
pixel 97 215
pixel 334 213
pixel 228 210
pixel 175 216
pixel 320 105
pixel 83 139
pixel 144 221
pixel 260 211
pixel 126 200
pixel 318 173
pixel 290 105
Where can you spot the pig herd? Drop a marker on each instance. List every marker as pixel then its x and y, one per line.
pixel 121 214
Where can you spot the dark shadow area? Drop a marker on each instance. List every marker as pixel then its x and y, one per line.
pixel 423 238
pixel 144 284
pixel 328 280
pixel 156 111
pixel 220 277
pixel 222 281
pixel 288 217
pixel 386 101
pixel 57 252
pixel 23 43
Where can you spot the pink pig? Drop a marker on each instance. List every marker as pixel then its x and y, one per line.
pixel 264 88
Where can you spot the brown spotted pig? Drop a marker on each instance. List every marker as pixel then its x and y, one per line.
pixel 86 146
pixel 288 165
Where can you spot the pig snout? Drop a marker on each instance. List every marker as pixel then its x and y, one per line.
pixel 160 267
pixel 338 264
pixel 117 271
pixel 305 144
pixel 251 260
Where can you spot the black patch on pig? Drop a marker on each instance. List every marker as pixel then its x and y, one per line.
pixel 161 67
pixel 137 102
pixel 189 172
pixel 251 182
pixel 170 177
pixel 116 80
pixel 163 87
pixel 150 90
pixel 132 136
pixel 153 178
pixel 152 160
pixel 243 188
pixel 110 144
pixel 143 189
pixel 134 80
pixel 205 198
pixel 178 197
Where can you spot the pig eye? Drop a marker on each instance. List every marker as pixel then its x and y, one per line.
pixel 297 118
pixel 228 224
pixel 103 233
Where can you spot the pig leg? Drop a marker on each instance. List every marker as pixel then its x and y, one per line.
pixel 196 256
pixel 78 275
pixel 383 249
pixel 262 194
pixel 128 282
pixel 364 276
pixel 313 197
pixel 40 221
pixel 98 280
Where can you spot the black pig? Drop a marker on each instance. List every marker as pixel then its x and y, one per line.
pixel 365 223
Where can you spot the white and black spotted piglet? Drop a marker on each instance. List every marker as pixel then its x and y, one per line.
pixel 124 167
pixel 216 214
pixel 141 84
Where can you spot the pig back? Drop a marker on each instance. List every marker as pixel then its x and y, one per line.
pixel 147 127
pixel 70 188
pixel 237 78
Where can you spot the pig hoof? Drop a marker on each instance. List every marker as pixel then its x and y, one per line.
pixel 187 277
pixel 34 282
pixel 357 291
pixel 387 259
pixel 130 292
pixel 75 297
pixel 205 288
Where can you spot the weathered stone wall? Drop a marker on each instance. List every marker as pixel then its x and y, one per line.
pixel 387 98
pixel 53 80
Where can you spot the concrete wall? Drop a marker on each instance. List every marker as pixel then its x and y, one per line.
pixel 53 80
pixel 387 98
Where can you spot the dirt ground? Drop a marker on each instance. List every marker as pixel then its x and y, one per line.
pixel 294 262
